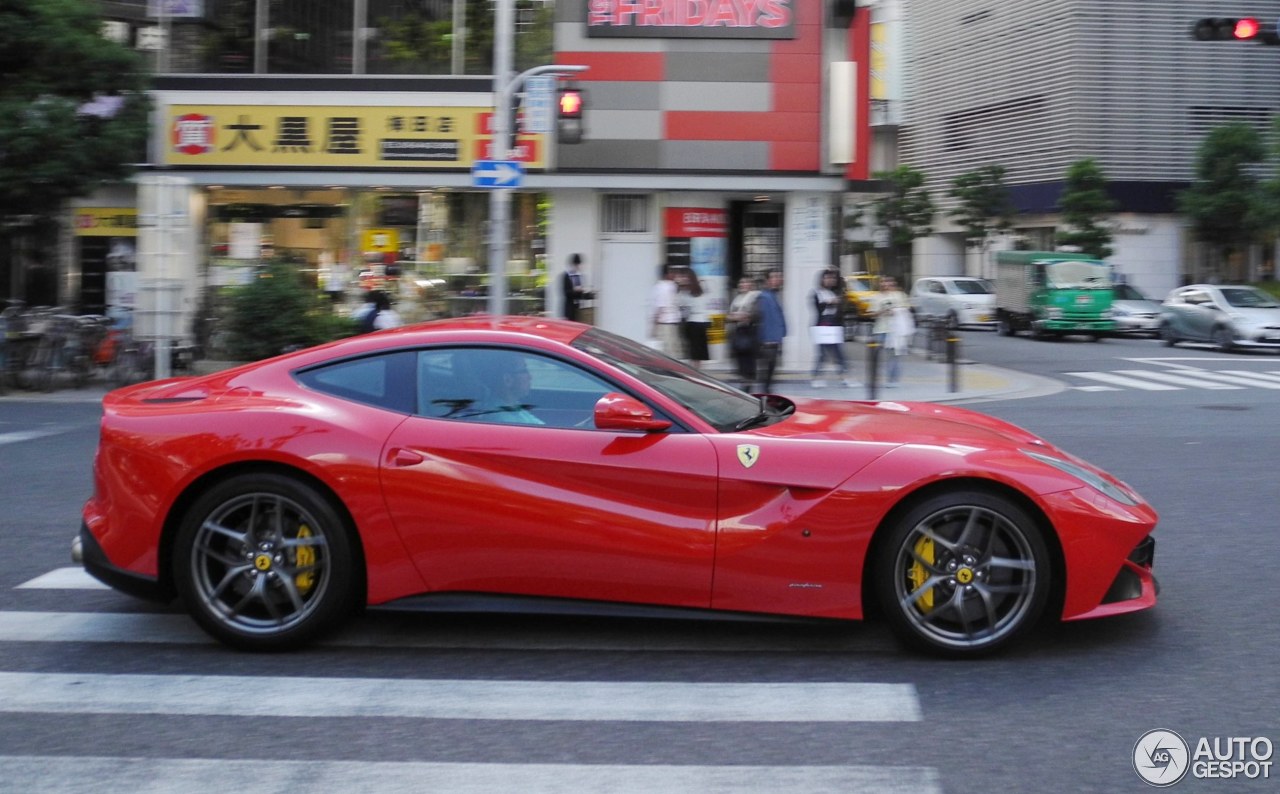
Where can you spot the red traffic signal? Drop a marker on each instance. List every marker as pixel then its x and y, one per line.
pixel 1246 28
pixel 571 101
pixel 1227 29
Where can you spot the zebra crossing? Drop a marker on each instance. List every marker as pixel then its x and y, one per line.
pixel 145 695
pixel 1175 378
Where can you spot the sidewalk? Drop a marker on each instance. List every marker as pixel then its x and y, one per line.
pixel 923 380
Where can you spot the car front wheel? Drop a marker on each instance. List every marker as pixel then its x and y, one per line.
pixel 1223 338
pixel 264 562
pixel 963 573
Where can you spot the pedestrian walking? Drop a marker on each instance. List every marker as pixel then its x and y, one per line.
pixel 664 314
pixel 773 328
pixel 829 305
pixel 893 328
pixel 742 321
pixel 695 318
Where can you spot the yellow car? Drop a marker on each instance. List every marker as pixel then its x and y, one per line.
pixel 861 290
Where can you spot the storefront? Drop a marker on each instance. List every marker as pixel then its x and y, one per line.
pixel 358 189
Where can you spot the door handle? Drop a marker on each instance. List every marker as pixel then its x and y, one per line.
pixel 406 457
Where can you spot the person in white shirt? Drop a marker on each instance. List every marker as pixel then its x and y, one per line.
pixel 664 313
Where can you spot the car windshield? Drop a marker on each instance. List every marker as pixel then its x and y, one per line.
pixel 716 402
pixel 1125 292
pixel 1248 298
pixel 973 286
pixel 1078 274
pixel 859 284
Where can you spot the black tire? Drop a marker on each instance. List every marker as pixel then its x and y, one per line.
pixel 264 562
pixel 1004 326
pixel 970 606
pixel 1168 336
pixel 1223 339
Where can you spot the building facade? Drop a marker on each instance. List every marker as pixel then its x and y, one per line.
pixel 718 135
pixel 1035 85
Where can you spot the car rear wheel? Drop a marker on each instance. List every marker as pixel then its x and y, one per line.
pixel 963 573
pixel 1168 335
pixel 264 562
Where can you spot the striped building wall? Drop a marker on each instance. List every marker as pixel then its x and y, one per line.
pixel 685 104
pixel 1035 85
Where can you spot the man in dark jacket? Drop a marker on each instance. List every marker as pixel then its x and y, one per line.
pixel 572 289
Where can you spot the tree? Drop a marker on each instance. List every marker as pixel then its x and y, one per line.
pixel 904 211
pixel 1084 202
pixel 73 107
pixel 985 204
pixel 1224 202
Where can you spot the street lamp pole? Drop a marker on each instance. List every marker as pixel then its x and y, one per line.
pixel 505 88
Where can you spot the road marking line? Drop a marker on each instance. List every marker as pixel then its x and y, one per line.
pixel 1095 388
pixel 1120 380
pixel 592 701
pixel 70 578
pixel 1244 379
pixel 1183 379
pixel 87 774
pixel 19 436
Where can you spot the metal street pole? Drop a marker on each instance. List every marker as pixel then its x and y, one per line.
pixel 504 90
pixel 500 198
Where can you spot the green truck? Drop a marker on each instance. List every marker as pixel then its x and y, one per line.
pixel 1053 293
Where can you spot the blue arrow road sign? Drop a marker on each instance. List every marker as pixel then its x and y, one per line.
pixel 496 173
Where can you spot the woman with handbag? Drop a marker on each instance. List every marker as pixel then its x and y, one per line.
pixel 828 300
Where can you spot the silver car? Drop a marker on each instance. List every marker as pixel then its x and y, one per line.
pixel 1134 313
pixel 1228 316
pixel 955 300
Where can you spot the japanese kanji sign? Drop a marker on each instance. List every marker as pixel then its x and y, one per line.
pixel 283 136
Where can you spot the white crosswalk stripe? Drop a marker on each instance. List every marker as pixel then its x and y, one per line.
pixel 1120 380
pixel 298 696
pixel 1176 379
pixel 144 696
pixel 91 775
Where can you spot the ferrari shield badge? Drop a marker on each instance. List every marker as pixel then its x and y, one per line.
pixel 748 454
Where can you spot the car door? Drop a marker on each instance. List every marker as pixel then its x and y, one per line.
pixel 486 503
pixel 1200 314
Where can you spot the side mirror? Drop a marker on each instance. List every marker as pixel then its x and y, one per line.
pixel 616 411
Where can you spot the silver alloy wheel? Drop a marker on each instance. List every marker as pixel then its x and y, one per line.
pixel 966 577
pixel 260 563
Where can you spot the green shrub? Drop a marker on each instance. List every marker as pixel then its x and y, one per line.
pixel 278 311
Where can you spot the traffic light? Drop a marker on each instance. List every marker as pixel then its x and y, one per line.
pixel 570 104
pixel 1232 29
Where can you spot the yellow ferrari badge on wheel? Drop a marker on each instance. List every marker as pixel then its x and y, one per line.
pixel 748 454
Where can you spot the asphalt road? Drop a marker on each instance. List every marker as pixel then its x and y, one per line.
pixel 534 703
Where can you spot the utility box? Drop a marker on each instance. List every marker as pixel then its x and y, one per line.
pixel 1053 293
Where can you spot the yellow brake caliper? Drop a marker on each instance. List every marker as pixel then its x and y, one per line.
pixel 305 556
pixel 918 575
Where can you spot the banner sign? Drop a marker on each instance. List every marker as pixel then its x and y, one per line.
pixel 694 19
pixel 105 222
pixel 310 136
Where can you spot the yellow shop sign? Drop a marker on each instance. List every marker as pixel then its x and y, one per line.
pixel 105 222
pixel 337 136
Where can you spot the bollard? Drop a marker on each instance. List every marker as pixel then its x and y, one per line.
pixel 873 366
pixel 953 363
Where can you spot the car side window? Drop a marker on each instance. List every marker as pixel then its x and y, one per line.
pixel 506 386
pixel 384 380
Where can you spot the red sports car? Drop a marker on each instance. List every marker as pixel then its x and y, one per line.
pixel 543 461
